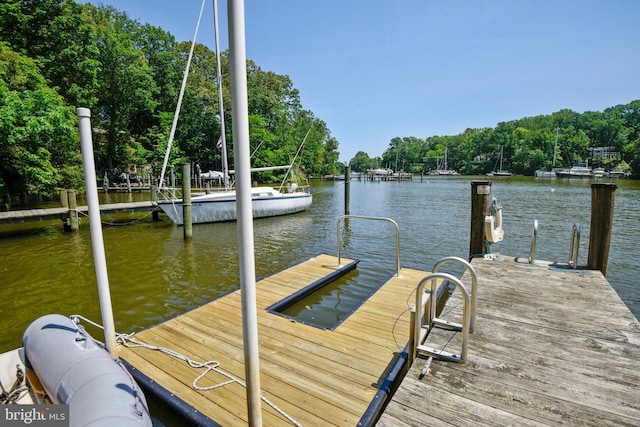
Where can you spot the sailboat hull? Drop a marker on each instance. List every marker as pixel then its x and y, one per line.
pixel 218 207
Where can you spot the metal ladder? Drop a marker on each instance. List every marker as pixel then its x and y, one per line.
pixel 423 315
pixel 573 248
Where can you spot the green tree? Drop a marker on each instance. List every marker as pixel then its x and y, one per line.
pixel 38 134
pixel 361 162
pixel 126 89
pixel 57 35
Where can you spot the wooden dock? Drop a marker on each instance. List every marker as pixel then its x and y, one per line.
pixel 33 215
pixel 551 347
pixel 318 377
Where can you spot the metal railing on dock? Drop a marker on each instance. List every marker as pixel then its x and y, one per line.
pixel 372 218
pixel 424 316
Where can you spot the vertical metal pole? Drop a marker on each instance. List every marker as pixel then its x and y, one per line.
pixel 187 221
pixel 603 197
pixel 480 203
pixel 240 109
pixel 97 242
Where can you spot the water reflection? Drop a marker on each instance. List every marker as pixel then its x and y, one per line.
pixel 154 274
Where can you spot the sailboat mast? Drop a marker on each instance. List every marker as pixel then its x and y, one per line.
pixel 445 158
pixel 223 138
pixel 555 148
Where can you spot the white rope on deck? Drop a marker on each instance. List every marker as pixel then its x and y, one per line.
pixel 212 365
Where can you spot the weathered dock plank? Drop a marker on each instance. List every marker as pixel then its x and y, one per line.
pixel 551 346
pixel 316 376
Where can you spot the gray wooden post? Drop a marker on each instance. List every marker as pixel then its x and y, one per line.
pixel 73 212
pixel 347 189
pixel 186 201
pixel 64 201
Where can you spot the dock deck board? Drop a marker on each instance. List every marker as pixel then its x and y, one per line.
pixel 550 347
pixel 318 377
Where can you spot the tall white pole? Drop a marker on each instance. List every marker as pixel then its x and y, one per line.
pixel 243 204
pixel 97 243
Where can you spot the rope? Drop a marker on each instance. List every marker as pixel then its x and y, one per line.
pixel 17 390
pixel 212 365
pixel 135 221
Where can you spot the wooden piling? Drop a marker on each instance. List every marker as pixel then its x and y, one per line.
pixel 186 201
pixel 603 198
pixel 480 202
pixel 73 211
pixel 64 201
pixel 347 189
pixel 154 198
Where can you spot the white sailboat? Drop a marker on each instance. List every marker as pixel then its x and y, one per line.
pixel 221 206
pixel 500 172
pixel 443 169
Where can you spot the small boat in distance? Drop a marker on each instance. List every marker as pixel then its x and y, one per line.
pixel 500 172
pixel 578 170
pixel 443 168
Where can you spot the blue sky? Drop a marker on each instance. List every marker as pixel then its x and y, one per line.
pixel 373 70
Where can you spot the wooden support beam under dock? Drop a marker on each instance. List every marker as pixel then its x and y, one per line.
pixel 318 377
pixel 551 346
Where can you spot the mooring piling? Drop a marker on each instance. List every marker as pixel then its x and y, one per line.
pixel 603 198
pixel 186 201
pixel 480 202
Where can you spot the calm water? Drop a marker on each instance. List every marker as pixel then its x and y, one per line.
pixel 155 275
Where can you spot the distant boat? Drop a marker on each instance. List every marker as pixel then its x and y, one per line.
pixel 442 168
pixel 546 174
pixel 598 173
pixel 618 174
pixel 500 172
pixel 578 170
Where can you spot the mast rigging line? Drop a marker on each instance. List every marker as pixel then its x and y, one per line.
pixel 179 105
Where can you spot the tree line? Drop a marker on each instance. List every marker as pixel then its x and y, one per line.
pixel 527 144
pixel 56 55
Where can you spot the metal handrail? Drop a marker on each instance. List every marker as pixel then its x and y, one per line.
pixel 575 246
pixel 416 324
pixel 374 219
pixel 474 287
pixel 534 237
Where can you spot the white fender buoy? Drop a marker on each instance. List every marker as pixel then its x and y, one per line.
pixel 74 370
pixel 493 223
